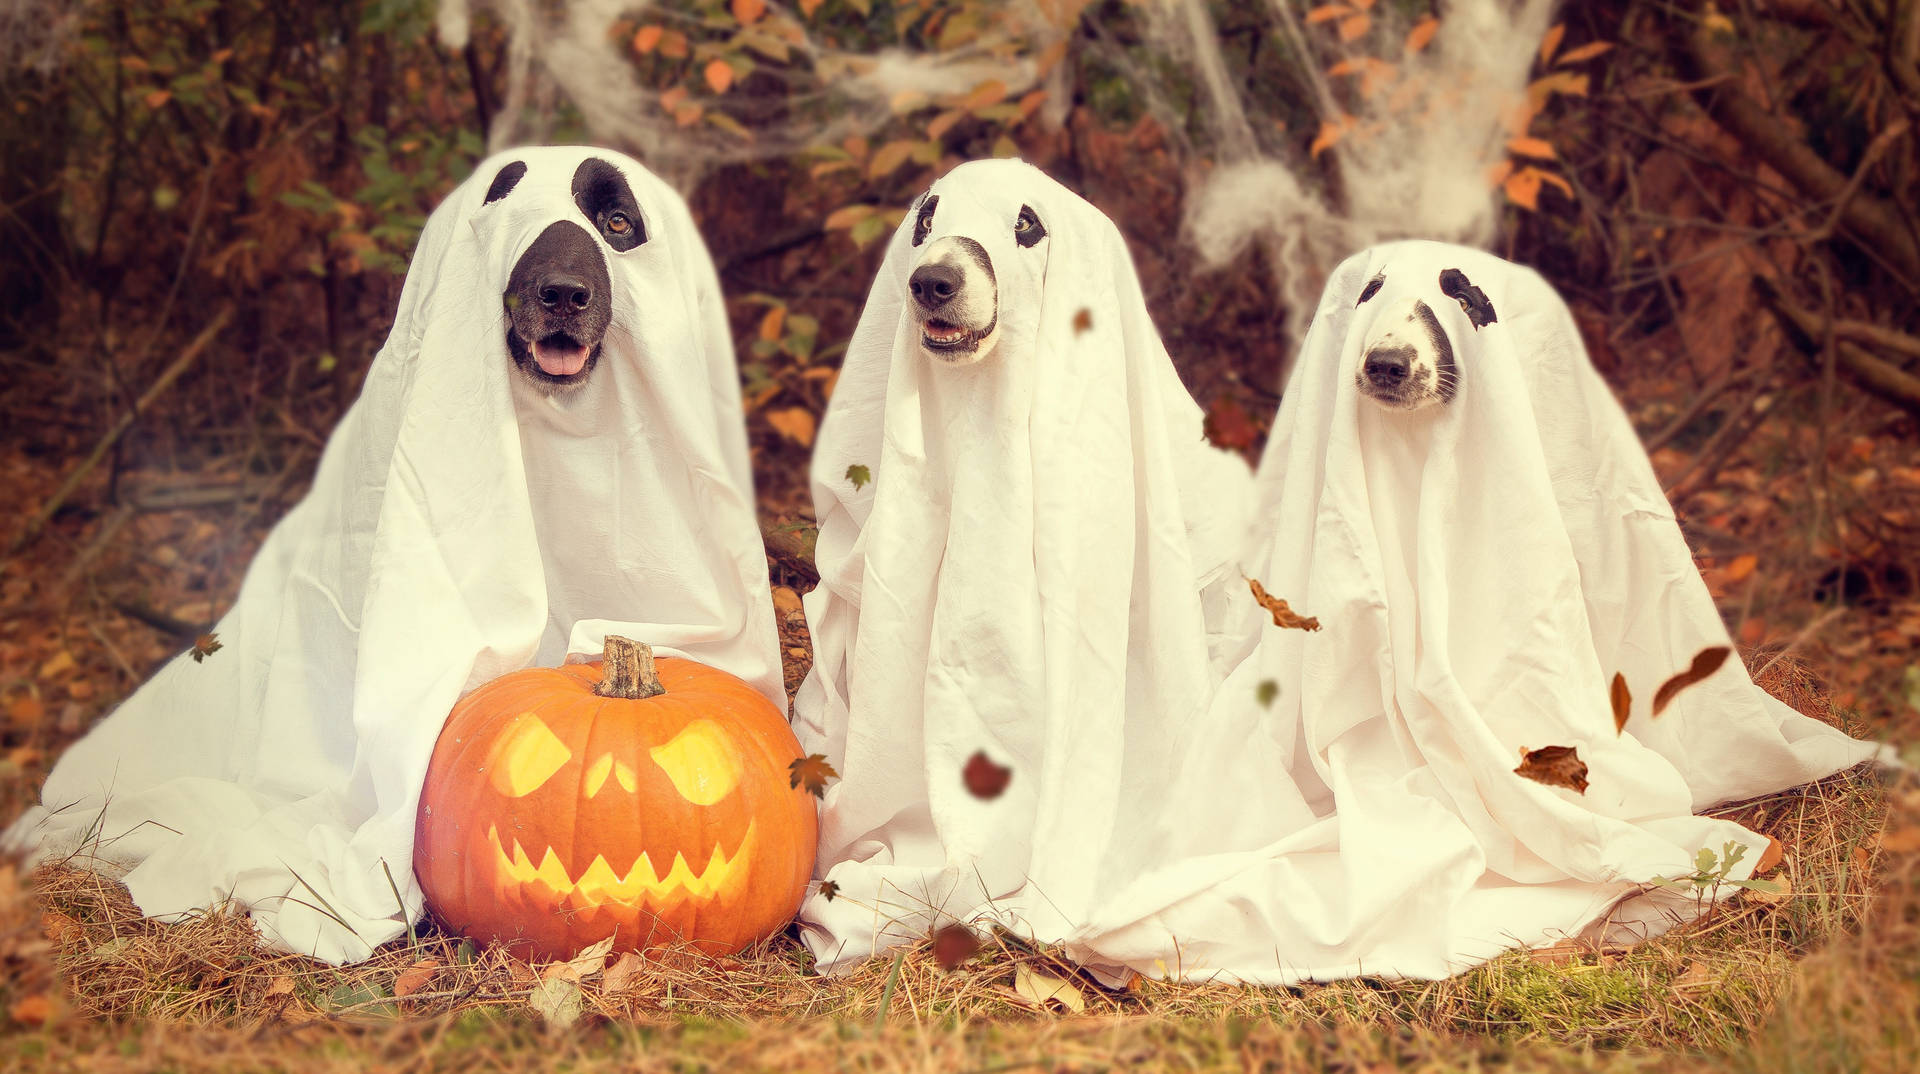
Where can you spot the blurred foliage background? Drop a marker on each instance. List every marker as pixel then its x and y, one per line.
pixel 206 209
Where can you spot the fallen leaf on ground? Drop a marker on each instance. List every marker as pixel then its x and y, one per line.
pixel 1283 616
pixel 1622 702
pixel 589 961
pixel 280 986
pixel 415 977
pixel 1696 975
pixel 1038 988
pixel 1705 662
pixel 621 973
pixel 954 944
pixel 1555 766
pixel 811 773
pixel 984 779
pixel 1782 888
pixel 1771 858
pixel 557 1001
pixel 1560 954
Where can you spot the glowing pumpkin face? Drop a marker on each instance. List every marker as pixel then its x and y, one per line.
pixel 553 817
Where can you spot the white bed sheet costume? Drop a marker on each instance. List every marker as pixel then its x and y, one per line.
pixel 461 525
pixel 1480 569
pixel 1025 576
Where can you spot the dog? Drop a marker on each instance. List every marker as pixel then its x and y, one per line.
pixel 558 300
pixel 954 293
pixel 1407 362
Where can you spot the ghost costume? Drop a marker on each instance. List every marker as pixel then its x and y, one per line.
pixel 1024 584
pixel 462 524
pixel 1480 570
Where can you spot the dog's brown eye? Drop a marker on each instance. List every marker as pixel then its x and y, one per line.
pixel 619 224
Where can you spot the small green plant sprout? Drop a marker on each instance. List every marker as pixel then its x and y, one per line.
pixel 1710 873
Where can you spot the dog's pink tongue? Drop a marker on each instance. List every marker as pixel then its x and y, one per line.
pixel 560 361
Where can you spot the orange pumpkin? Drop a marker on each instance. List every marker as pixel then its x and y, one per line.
pixel 654 807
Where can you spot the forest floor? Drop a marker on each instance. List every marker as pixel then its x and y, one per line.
pixel 1824 977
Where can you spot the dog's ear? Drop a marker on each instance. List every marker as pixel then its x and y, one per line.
pixel 1371 289
pixel 1455 285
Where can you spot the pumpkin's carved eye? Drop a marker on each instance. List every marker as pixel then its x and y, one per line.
pixel 701 763
pixel 526 755
pixel 597 774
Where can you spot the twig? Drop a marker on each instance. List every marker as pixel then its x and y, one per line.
pixel 172 373
pixel 1799 639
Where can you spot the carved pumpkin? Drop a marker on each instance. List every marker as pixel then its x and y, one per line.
pixel 653 806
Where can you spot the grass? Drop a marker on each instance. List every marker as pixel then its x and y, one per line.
pixel 1826 978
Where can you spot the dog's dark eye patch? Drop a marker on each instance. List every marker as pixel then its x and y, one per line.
pixel 1372 288
pixel 1455 285
pixel 504 182
pixel 602 193
pixel 923 223
pixel 1027 228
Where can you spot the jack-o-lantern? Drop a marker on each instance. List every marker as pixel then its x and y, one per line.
pixel 651 803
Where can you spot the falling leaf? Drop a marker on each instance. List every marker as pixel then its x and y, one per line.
pixel 1555 766
pixel 1082 320
pixel 795 423
pixel 1622 702
pixel 646 38
pixel 749 11
pixel 415 977
pixel 812 773
pixel 205 645
pixel 984 779
pixel 1283 616
pixel 1422 33
pixel 557 1001
pixel 1039 988
pixel 1551 42
pixel 719 75
pixel 954 944
pixel 1266 692
pixel 828 889
pixel 1770 858
pixel 859 475
pixel 1705 662
pixel 621 973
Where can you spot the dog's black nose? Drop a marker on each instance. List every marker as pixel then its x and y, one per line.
pixel 933 285
pixel 563 293
pixel 1387 366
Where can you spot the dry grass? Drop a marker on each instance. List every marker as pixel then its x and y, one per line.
pixel 1827 978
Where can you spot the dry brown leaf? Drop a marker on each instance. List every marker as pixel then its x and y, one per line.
pixel 27 711
pixel 1622 701
pixel 1555 766
pixel 1283 616
pixel 1563 953
pixel 34 1010
pixel 828 889
pixel 1771 858
pixel 415 977
pixel 1696 975
pixel 984 779
pixel 280 986
pixel 1082 321
pixel 954 944
pixel 811 773
pixel 1771 898
pixel 56 925
pixel 796 423
pixel 621 973
pixel 1039 988
pixel 1705 662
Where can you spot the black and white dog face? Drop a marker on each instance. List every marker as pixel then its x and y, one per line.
pixel 559 300
pixel 953 292
pixel 1406 359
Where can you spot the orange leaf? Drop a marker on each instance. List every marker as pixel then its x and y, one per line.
pixel 1082 321
pixel 1585 52
pixel 1527 146
pixel 808 7
pixel 796 423
pixel 1330 132
pixel 942 123
pixel 1770 858
pixel 847 216
pixel 1228 425
pixel 673 45
pixel 1551 42
pixel 1344 67
pixel 990 92
pixel 415 977
pixel 1705 662
pixel 1422 34
pixel 1355 25
pixel 1565 187
pixel 719 75
pixel 1740 568
pixel 646 38
pixel 953 945
pixel 1622 702
pixel 749 11
pixel 811 773
pixel 670 99
pixel 771 324
pixel 1326 12
pixel 1497 173
pixel 984 779
pixel 156 98
pixel 1523 188
pixel 1283 616
pixel 888 158
pixel 1555 766
pixel 26 711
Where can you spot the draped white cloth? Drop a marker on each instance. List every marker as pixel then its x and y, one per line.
pixel 1480 570
pixel 1027 577
pixel 461 525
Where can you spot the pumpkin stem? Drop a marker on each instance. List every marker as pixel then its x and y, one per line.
pixel 628 671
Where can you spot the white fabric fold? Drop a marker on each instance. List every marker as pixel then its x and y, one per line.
pixel 1026 577
pixel 461 525
pixel 1480 570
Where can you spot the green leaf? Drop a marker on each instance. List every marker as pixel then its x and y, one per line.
pixel 859 475
pixel 1266 692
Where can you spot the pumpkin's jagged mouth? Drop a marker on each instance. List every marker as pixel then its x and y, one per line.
pixel 600 884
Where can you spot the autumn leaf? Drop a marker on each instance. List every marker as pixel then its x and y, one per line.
pixel 1585 52
pixel 1331 131
pixel 1555 766
pixel 1266 692
pixel 33 1010
pixel 557 1001
pixel 771 324
pixel 1705 662
pixel 1422 34
pixel 204 646
pixel 621 973
pixel 795 423
pixel 1527 146
pixel 1523 188
pixel 847 215
pixel 1283 616
pixel 811 773
pixel 719 75
pixel 954 944
pixel 1551 42
pixel 1228 425
pixel 1622 702
pixel 1353 26
pixel 673 45
pixel 1771 857
pixel 888 158
pixel 1900 840
pixel 1082 321
pixel 990 92
pixel 984 779
pixel 858 476
pixel 1740 568
pixel 647 38
pixel 828 889
pixel 1038 988
pixel 415 977
pixel 808 7
pixel 1327 13
pixel 749 11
